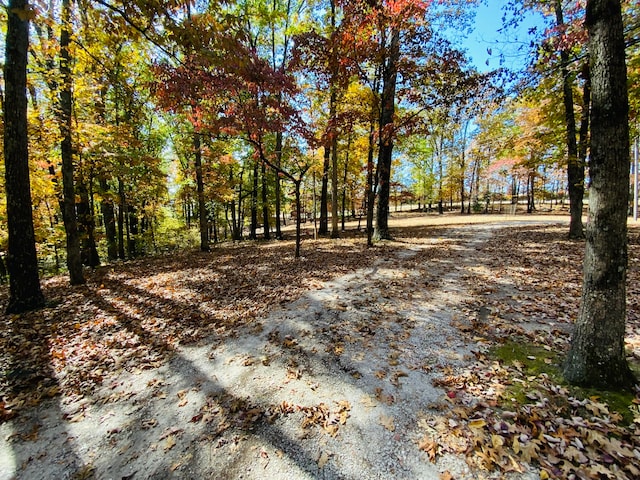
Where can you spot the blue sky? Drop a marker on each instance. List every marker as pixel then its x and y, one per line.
pixel 512 43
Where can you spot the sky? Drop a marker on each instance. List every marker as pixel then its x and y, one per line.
pixel 486 36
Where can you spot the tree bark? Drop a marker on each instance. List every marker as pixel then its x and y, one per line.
pixel 390 77
pixel 575 168
pixel 202 204
pixel 22 262
pixel 74 257
pixel 265 203
pixel 597 357
pixel 86 229
pixel 335 232
pixel 122 205
pixel 323 229
pixel 253 228
pixel 371 189
pixel 108 215
pixel 278 187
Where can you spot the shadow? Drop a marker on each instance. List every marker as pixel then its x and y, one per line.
pixel 162 334
pixel 32 391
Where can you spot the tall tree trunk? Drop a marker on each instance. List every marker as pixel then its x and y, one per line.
pixel 253 228
pixel 265 203
pixel 202 204
pixel 74 258
pixel 335 232
pixel 344 181
pixel 108 215
pixel 278 187
pixel 22 262
pixel 333 100
pixel 132 232
pixel 298 219
pixel 575 169
pixel 390 77
pixel 86 229
pixel 122 205
pixel 597 355
pixel 371 190
pixel 323 229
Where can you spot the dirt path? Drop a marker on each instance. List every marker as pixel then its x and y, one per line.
pixel 336 385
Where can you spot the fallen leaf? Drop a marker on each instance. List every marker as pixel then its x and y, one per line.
pixel 323 459
pixel 387 422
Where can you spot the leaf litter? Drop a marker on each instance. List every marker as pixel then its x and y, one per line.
pixel 246 364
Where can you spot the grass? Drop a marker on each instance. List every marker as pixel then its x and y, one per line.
pixel 539 365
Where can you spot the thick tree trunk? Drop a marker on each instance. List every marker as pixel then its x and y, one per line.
pixel 22 262
pixel 390 77
pixel 74 257
pixel 575 168
pixel 202 204
pixel 597 355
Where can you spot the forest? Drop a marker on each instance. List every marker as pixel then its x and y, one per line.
pixel 304 227
pixel 191 124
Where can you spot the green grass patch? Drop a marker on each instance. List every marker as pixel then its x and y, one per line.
pixel 534 367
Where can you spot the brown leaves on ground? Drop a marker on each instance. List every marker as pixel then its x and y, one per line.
pixel 527 286
pixel 132 316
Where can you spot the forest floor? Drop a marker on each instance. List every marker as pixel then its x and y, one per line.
pixel 432 356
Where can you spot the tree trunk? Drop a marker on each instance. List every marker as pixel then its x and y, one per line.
pixel 132 232
pixel 86 229
pixel 121 208
pixel 344 182
pixel 597 355
pixel 298 219
pixel 323 229
pixel 390 77
pixel 254 204
pixel 335 232
pixel 371 190
pixel 575 169
pixel 22 262
pixel 265 203
pixel 278 193
pixel 202 204
pixel 74 257
pixel 108 215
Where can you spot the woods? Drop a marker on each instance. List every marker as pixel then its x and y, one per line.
pixel 141 131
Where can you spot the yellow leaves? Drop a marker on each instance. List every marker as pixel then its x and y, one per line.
pixel 477 423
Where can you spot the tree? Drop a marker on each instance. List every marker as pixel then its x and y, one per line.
pixel 575 164
pixel 74 259
pixel 597 355
pixel 22 262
